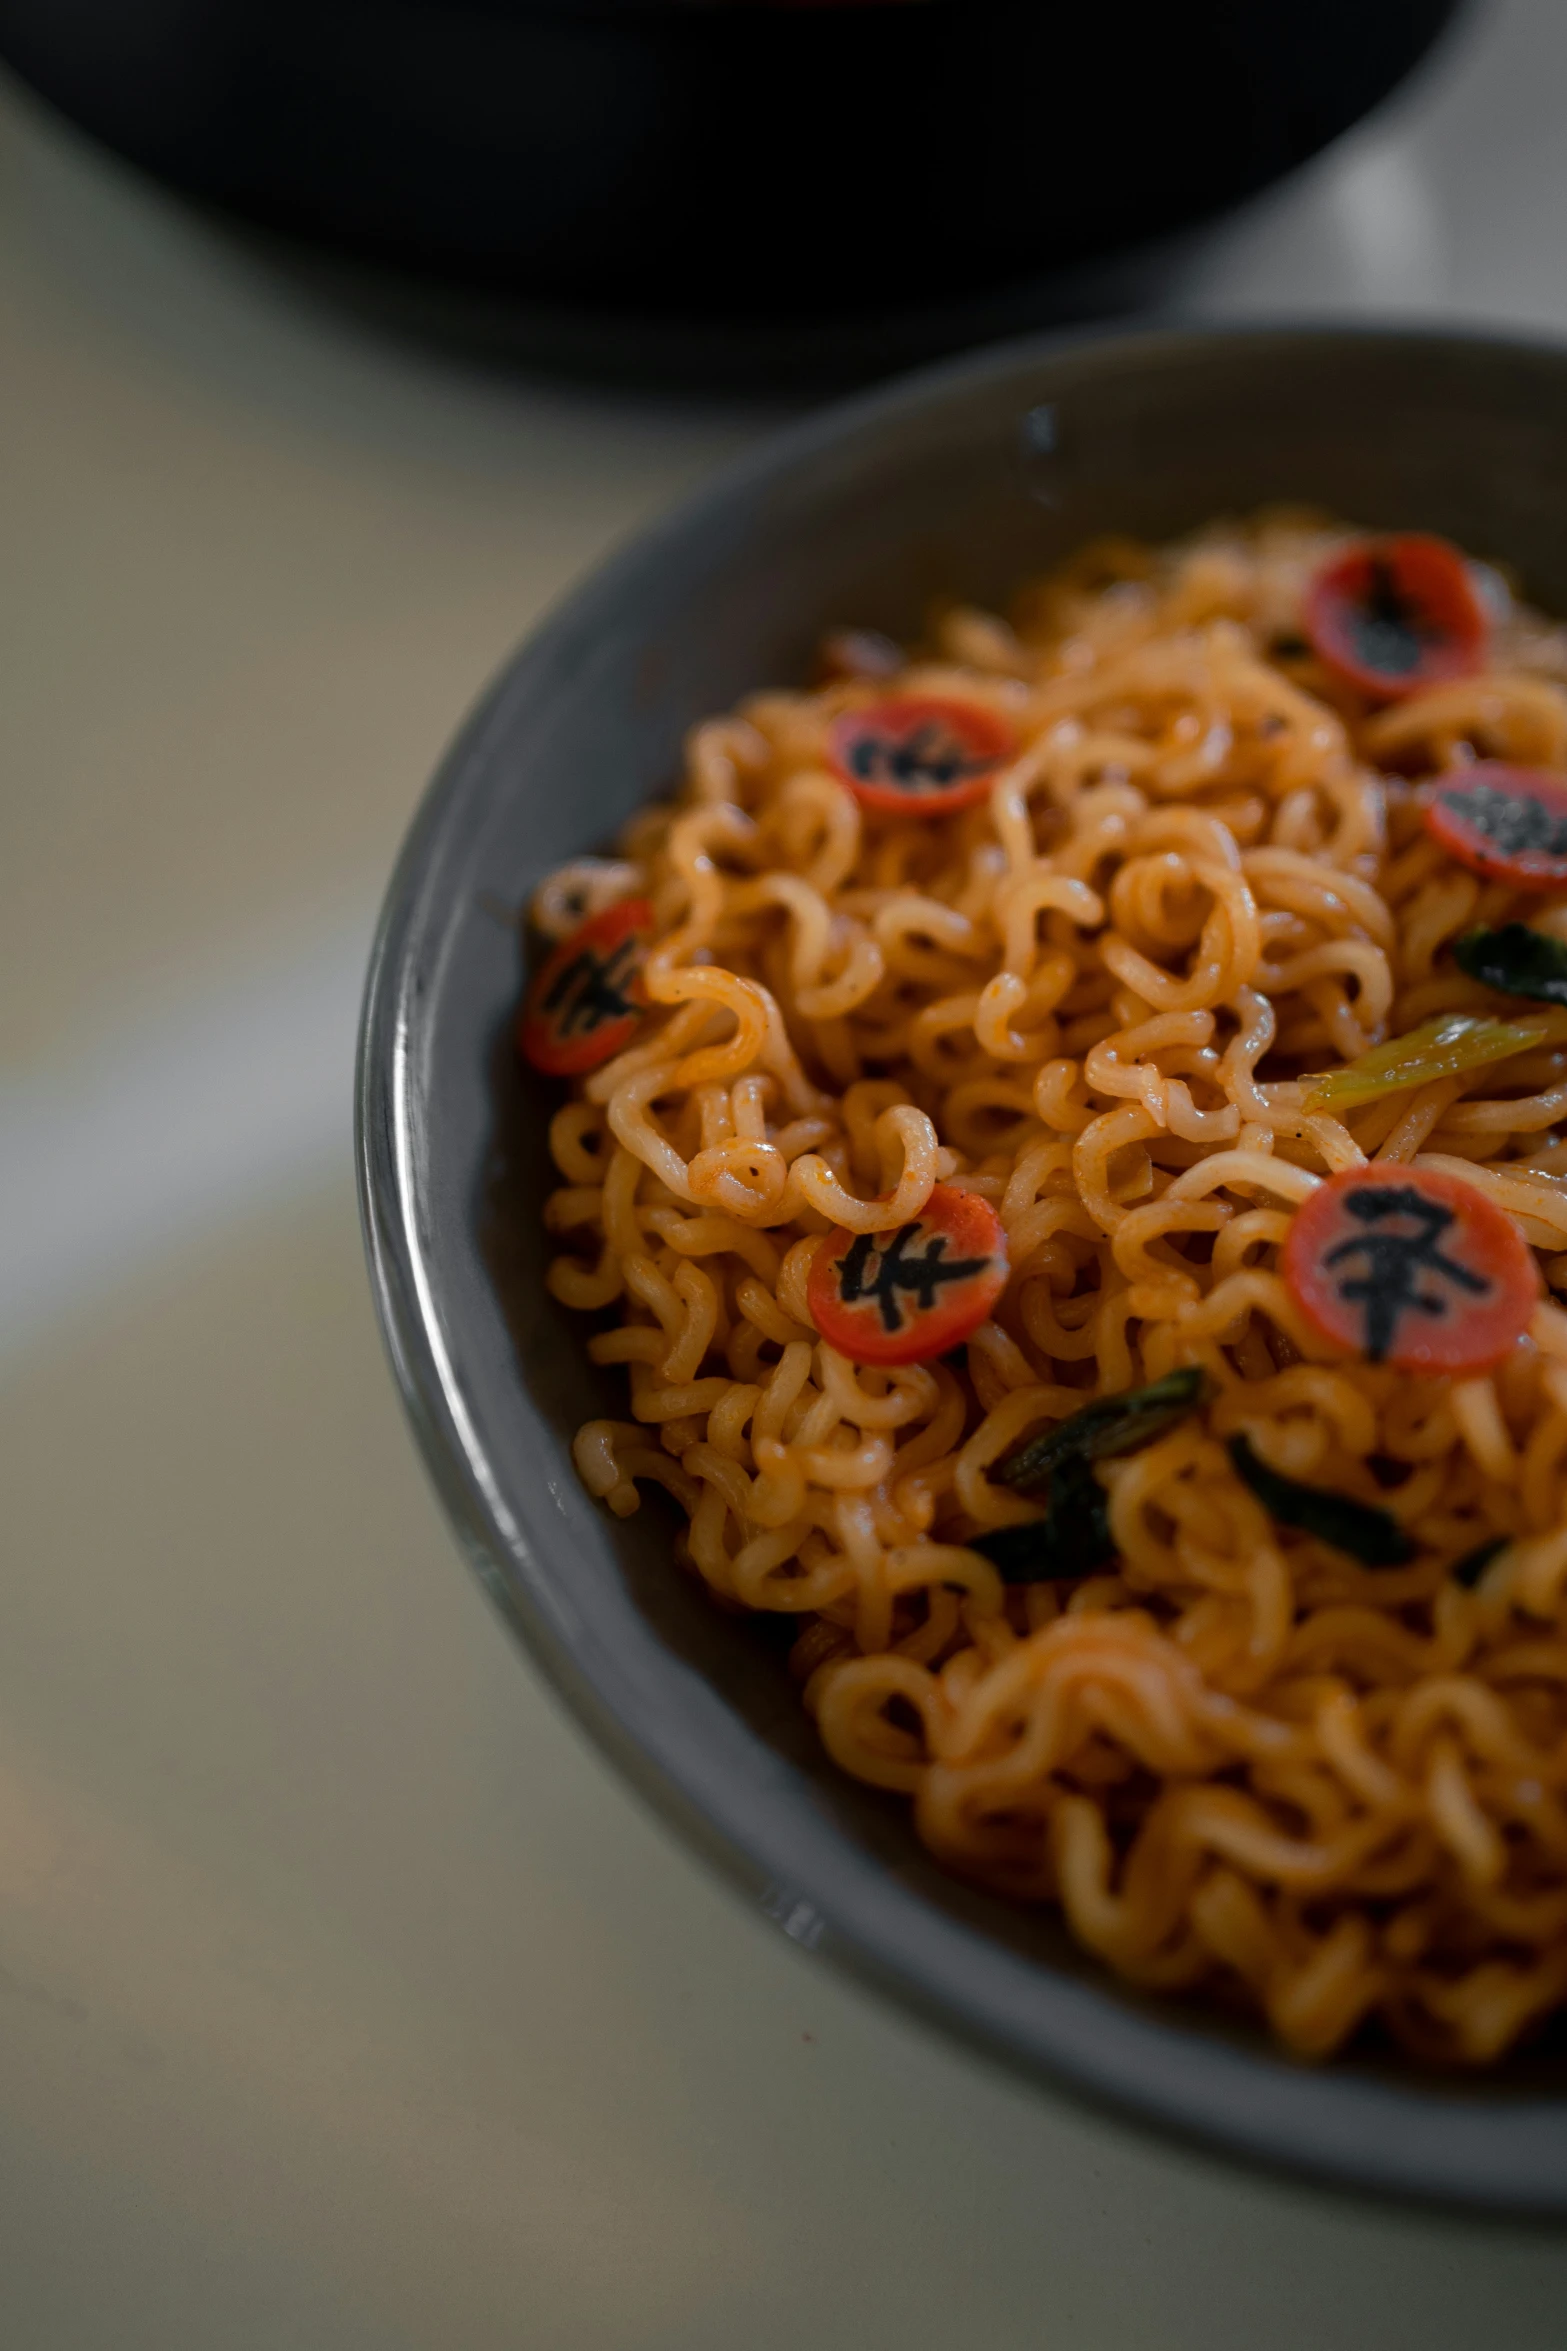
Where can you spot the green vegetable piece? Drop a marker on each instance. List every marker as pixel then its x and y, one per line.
pixel 1071 1540
pixel 1372 1536
pixel 1439 1048
pixel 1468 1570
pixel 1110 1426
pixel 1515 960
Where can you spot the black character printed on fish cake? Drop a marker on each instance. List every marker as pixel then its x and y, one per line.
pixel 590 989
pixel 922 1276
pixel 929 760
pixel 1389 1286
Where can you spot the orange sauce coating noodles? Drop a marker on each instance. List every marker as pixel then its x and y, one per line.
pixel 1236 1758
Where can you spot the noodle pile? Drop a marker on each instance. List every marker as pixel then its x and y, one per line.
pixel 1238 1759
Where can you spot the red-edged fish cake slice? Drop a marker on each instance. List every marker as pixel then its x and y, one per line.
pixel 1396 615
pixel 1507 823
pixel 587 1003
pixel 919 754
pixel 912 1292
pixel 1407 1266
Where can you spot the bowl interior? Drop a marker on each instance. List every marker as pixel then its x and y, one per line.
pixel 958 483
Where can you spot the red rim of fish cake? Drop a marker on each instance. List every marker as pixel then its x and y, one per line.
pixel 1508 824
pixel 919 754
pixel 1407 1266
pixel 587 1003
pixel 913 1291
pixel 1394 616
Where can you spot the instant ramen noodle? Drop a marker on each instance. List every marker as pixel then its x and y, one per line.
pixel 1067 1138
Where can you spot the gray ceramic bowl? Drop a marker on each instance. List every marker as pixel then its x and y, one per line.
pixel 959 481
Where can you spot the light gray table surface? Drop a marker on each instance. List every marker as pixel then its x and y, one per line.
pixel 345 1999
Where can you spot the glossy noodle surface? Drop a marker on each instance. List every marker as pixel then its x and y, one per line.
pixel 1093 997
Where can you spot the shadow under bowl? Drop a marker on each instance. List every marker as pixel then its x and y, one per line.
pixel 960 481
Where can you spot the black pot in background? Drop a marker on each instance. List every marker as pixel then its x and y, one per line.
pixel 713 163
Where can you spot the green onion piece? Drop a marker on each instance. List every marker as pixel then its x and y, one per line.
pixel 1072 1539
pixel 1110 1426
pixel 1468 1570
pixel 1439 1048
pixel 1516 961
pixel 1372 1536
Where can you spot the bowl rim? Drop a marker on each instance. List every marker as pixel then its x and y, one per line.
pixel 1499 2153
